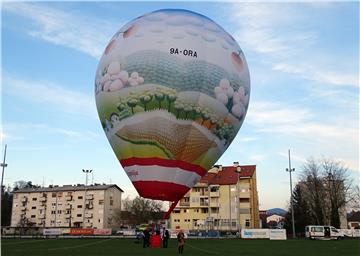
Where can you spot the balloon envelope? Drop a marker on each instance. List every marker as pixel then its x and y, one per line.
pixel 172 90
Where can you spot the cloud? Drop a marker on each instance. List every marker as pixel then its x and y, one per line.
pixel 281 33
pixel 248 139
pixel 66 28
pixel 11 129
pixel 271 117
pixel 48 93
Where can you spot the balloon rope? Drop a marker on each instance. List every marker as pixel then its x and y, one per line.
pixel 167 214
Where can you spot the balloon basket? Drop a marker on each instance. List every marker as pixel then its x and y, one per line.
pixel 155 241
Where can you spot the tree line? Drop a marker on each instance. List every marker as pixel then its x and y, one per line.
pixel 323 195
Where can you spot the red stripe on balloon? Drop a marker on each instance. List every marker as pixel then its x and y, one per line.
pixel 163 162
pixel 166 191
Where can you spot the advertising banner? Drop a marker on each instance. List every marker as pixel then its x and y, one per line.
pixel 277 234
pixel 104 232
pixel 51 231
pixel 66 231
pixel 356 232
pixel 81 231
pixel 129 233
pixel 255 233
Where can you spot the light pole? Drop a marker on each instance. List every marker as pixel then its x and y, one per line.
pixel 3 165
pixel 86 182
pixel 290 170
pixel 238 170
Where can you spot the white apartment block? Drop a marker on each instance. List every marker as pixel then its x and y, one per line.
pixel 67 206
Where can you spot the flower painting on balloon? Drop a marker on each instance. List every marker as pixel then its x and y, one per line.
pixel 172 90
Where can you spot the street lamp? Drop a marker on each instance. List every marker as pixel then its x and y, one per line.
pixel 86 182
pixel 3 165
pixel 238 170
pixel 290 170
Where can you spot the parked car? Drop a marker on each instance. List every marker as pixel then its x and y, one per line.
pixel 323 233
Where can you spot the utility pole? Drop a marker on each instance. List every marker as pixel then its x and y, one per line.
pixel 290 170
pixel 3 165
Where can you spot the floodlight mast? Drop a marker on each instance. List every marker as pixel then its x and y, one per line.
pixel 290 170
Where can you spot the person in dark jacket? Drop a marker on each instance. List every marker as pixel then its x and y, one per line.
pixel 165 237
pixel 146 237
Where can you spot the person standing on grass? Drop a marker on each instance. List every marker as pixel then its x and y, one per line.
pixel 146 237
pixel 165 237
pixel 181 241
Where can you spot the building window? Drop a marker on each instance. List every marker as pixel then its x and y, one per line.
pixel 176 211
pixel 79 206
pixel 53 204
pixel 33 216
pixel 34 207
pixel 78 215
pixel 53 194
pixel 59 211
pixel 34 199
pixel 204 210
pixel 247 223
pixel 101 202
pixel 80 197
pixel 111 202
pixel 53 212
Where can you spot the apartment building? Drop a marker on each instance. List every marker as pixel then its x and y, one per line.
pixel 225 198
pixel 66 206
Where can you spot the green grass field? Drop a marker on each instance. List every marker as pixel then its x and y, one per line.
pixel 107 247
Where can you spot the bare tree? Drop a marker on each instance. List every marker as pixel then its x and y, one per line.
pixel 327 189
pixel 139 210
pixel 313 189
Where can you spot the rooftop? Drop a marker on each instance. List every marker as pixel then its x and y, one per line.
pixel 78 187
pixel 228 175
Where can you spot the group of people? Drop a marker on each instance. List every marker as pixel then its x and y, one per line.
pixel 165 236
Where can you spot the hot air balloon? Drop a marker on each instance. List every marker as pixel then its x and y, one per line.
pixel 172 90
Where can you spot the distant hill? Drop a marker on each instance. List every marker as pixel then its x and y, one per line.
pixel 277 211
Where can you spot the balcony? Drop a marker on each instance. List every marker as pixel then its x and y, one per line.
pixel 88 215
pixel 89 206
pixel 89 197
pixel 214 204
pixel 24 199
pixel 215 194
pixel 244 194
pixel 42 199
pixel 68 198
pixel 185 204
pixel 204 203
pixel 23 208
pixel 88 224
pixel 68 207
pixel 41 216
pixel 67 216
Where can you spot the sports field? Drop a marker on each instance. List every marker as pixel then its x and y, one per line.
pixel 107 247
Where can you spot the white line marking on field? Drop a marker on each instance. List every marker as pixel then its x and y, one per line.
pixel 23 242
pixel 78 246
pixel 203 250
